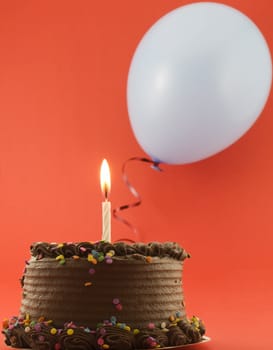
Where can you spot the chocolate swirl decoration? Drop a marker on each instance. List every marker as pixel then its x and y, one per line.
pixel 191 331
pixel 177 337
pixel 117 338
pixel 41 338
pixel 80 340
pixel 17 338
pixel 143 338
pixel 42 250
pixel 155 166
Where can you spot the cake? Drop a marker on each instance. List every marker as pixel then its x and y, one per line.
pixel 103 296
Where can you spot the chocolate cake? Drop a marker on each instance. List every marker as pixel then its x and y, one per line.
pixel 103 296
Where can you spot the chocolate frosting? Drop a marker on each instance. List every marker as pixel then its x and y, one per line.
pixel 116 338
pixel 82 249
pixel 18 338
pixel 80 339
pixel 145 337
pixel 41 338
pixel 191 330
pixel 44 336
pixel 176 336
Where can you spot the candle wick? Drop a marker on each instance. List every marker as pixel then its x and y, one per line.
pixel 106 195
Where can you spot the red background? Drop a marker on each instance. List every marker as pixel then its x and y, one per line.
pixel 63 72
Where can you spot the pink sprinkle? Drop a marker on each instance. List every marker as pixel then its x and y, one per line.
pixel 92 271
pixel 109 260
pixel 41 338
pixel 115 301
pixel 83 249
pixel 102 331
pixel 100 341
pixel 151 325
pixel 37 328
pixel 119 307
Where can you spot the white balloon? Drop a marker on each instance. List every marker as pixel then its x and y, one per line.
pixel 198 80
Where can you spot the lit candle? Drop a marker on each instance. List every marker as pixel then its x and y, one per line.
pixel 105 183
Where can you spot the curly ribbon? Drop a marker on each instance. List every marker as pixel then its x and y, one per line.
pixel 116 211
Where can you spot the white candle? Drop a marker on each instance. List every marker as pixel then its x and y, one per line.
pixel 105 182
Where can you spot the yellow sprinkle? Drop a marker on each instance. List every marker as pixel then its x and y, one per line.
pixel 75 257
pixel 110 253
pixel 105 346
pixel 60 257
pixel 27 317
pixel 48 322
pixel 87 284
pixel 127 328
pixel 70 331
pixel 90 257
pixel 136 331
pixel 53 331
pixel 60 245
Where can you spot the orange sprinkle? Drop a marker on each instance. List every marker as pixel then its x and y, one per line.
pixel 75 257
pixel 5 323
pixel 149 259
pixel 87 284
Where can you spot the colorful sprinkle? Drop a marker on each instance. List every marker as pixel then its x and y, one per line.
pixel 127 328
pixel 108 260
pixel 171 318
pixel 57 346
pixel 113 320
pixel 92 271
pixel 76 257
pixel 59 257
pixel 27 329
pixel 149 259
pixel 100 341
pixel 37 327
pixel 102 331
pixel 115 301
pixel 151 325
pixel 119 307
pixel 87 284
pixel 100 258
pixel 70 331
pixel 105 346
pixel 136 331
pixel 53 331
pixel 5 323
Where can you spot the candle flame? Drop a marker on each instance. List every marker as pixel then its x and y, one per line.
pixel 105 179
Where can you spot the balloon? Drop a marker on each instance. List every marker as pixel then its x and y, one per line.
pixel 198 81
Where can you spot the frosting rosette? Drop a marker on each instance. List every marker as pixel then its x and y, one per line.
pixel 42 337
pixel 176 336
pixel 151 338
pixel 115 338
pixel 77 338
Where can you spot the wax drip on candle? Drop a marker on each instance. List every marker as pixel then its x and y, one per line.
pixel 154 166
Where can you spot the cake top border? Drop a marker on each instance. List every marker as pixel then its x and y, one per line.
pixel 172 250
